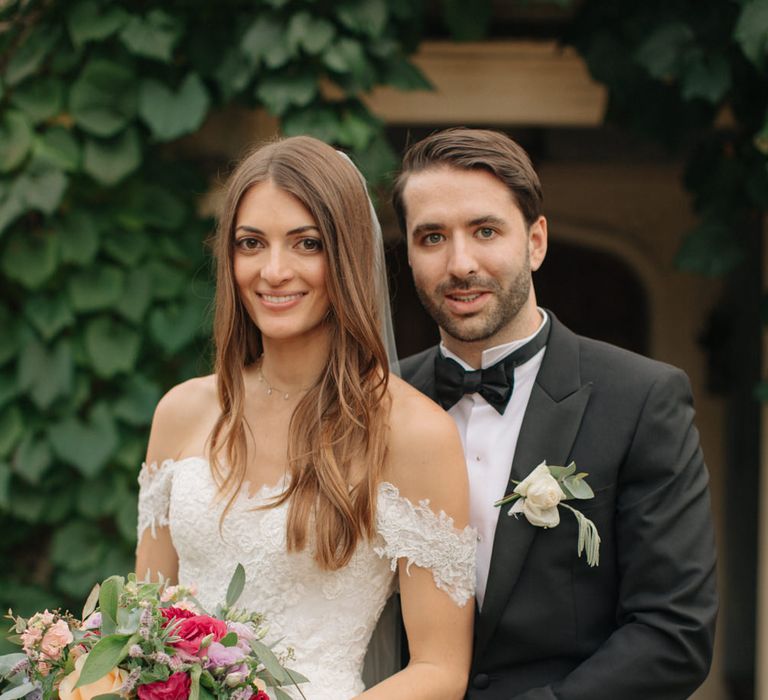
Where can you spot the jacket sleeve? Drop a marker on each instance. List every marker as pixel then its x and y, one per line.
pixel 662 647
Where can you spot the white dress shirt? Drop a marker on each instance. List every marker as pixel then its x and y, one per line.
pixel 489 441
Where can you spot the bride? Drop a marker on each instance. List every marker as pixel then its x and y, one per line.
pixel 302 457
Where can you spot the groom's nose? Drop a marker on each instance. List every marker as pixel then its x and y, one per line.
pixel 461 258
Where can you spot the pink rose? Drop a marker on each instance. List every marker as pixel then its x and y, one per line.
pixel 56 637
pixel 173 612
pixel 175 688
pixel 30 637
pixel 194 629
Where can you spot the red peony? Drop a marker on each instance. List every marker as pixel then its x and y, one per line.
pixel 173 613
pixel 194 628
pixel 260 695
pixel 175 688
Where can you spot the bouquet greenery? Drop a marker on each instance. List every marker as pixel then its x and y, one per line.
pixel 149 641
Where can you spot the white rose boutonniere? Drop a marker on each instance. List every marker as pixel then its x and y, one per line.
pixel 543 490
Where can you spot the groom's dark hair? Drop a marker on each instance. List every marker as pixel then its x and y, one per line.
pixel 473 149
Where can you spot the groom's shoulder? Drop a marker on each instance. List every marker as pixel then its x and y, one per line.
pixel 413 363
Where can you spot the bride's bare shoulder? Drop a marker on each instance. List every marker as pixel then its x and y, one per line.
pixel 183 419
pixel 425 458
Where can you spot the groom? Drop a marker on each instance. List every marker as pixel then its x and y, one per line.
pixel 524 389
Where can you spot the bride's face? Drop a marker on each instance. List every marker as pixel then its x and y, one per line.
pixel 279 264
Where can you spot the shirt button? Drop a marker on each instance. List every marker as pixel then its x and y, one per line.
pixel 477 459
pixel 481 681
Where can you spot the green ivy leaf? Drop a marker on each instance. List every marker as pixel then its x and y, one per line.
pixel 137 402
pixel 710 249
pixel 112 346
pixel 59 148
pixel 176 325
pixel 78 238
pixel 357 128
pixel 751 31
pixel 11 207
pixel 87 446
pixel 162 209
pixel 278 93
pixel 103 99
pixel 321 122
pixel 5 480
pixel 32 458
pixel 8 386
pixel 9 338
pixel 708 77
pixel 49 314
pixel 30 258
pixel 40 99
pixel 313 34
pixel 467 21
pixel 90 20
pixel 45 373
pixel 403 75
pixel 136 296
pixel 40 187
pixel 347 56
pixel 126 518
pixel 264 42
pixel 77 546
pixel 96 288
pixel 11 429
pixel 15 140
pixel 661 54
pixel 30 53
pixel 125 248
pixel 378 161
pixel 167 282
pixel 233 73
pixel 171 114
pixel 154 36
pixel 370 16
pixel 108 162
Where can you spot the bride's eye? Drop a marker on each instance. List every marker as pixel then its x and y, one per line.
pixel 310 245
pixel 248 243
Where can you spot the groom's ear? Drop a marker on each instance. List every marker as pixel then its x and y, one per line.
pixel 537 242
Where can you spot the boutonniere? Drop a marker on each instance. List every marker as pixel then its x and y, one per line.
pixel 543 490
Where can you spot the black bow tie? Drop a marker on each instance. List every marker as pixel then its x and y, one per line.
pixel 494 383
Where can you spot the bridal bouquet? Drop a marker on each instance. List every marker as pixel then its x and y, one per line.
pixel 148 641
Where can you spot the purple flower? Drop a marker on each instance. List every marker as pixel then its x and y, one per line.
pixel 220 656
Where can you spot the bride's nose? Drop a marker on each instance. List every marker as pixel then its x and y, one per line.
pixel 277 268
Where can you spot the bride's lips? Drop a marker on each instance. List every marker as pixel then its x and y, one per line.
pixel 466 301
pixel 280 301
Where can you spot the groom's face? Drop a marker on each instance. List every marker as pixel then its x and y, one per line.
pixel 471 253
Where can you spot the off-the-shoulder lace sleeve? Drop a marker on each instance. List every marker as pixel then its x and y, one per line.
pixel 154 496
pixel 427 539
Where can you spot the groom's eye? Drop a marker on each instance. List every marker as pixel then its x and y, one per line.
pixel 432 238
pixel 486 233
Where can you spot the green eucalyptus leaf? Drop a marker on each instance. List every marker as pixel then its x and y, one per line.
pixel 108 162
pixel 662 53
pixel 278 93
pixel 18 691
pixel 58 147
pixel 96 288
pixel 107 653
pixel 751 31
pixel 370 16
pixel 40 99
pixel 78 238
pixel 109 595
pixel 170 114
pixel 175 325
pixel 236 585
pixel 90 20
pixel 30 53
pixel 30 258
pixel 11 429
pixel 153 36
pixel 137 294
pixel 32 458
pixel 112 346
pixel 49 314
pixel 15 140
pixel 313 34
pixel 103 99
pixel 90 602
pixel 270 661
pixel 578 487
pixel 87 446
pixel 138 398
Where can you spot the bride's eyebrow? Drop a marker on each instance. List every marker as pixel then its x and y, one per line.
pixel 292 232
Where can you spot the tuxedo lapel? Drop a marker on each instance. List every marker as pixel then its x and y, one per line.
pixel 419 371
pixel 550 425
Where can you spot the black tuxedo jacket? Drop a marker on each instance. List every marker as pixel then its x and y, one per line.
pixel 640 625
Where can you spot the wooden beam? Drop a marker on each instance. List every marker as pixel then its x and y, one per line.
pixel 502 83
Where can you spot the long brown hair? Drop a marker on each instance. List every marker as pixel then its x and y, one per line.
pixel 341 421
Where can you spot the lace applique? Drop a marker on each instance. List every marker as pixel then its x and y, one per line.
pixel 416 533
pixel 154 496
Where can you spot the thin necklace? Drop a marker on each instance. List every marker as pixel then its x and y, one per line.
pixel 271 389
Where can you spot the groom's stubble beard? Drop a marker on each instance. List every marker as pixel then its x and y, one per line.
pixel 503 309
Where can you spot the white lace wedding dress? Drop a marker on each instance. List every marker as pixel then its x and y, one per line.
pixel 327 617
